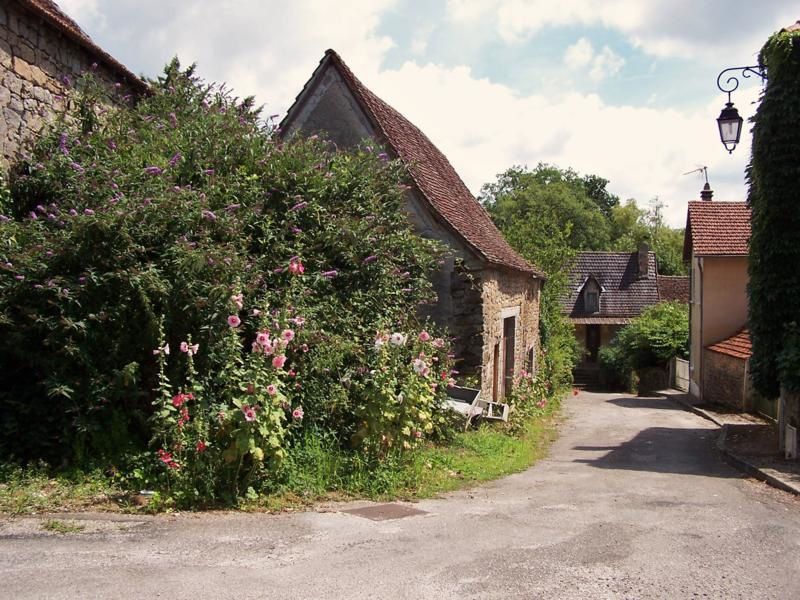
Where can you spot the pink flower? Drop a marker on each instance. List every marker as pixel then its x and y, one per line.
pixel 201 446
pixel 262 338
pixel 167 459
pixel 234 321
pixel 438 343
pixel 184 347
pixel 255 312
pixel 420 367
pixel 287 335
pixel 296 266
pixel 249 413
pixel 279 361
pixel 238 300
pixel 272 389
pixel 164 350
pixel 299 321
pixel 417 434
pixel 424 336
pixel 297 413
pixel 194 349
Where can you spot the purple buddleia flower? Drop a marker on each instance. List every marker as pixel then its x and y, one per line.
pixel 298 206
pixel 296 230
pixel 370 259
pixel 153 170
pixel 330 274
pixel 175 159
pixel 78 168
pixel 232 207
pixel 208 215
pixel 88 211
pixel 62 144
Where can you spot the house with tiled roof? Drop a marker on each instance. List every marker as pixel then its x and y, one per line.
pixel 487 294
pixel 42 51
pixel 716 247
pixel 605 291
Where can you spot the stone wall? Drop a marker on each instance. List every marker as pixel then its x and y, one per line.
pixel 504 294
pixel 36 64
pixel 724 380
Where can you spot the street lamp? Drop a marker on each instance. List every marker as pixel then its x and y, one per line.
pixel 729 122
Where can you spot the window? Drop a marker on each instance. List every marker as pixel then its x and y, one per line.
pixel 591 301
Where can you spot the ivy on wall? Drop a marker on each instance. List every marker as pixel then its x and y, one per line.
pixel 774 178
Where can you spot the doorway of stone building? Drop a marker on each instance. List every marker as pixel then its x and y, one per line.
pixel 592 343
pixel 509 333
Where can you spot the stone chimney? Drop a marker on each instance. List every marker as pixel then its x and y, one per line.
pixel 707 193
pixel 644 261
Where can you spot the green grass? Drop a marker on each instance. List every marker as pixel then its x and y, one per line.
pixel 62 527
pixel 33 490
pixel 316 470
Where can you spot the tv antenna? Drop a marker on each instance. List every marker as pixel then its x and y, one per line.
pixel 703 170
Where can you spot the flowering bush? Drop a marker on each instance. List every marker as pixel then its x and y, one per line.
pixel 534 395
pixel 175 253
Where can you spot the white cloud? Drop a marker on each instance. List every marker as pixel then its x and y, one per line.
pixel 665 28
pixel 581 55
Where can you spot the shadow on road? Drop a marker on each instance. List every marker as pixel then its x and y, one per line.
pixel 679 450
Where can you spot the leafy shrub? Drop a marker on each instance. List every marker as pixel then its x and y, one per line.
pixel 660 333
pixel 155 227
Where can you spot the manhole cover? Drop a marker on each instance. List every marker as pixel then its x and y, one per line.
pixel 385 512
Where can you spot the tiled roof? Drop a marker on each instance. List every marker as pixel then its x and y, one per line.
pixel 738 346
pixel 51 13
pixel 624 294
pixel 434 176
pixel 673 288
pixel 717 229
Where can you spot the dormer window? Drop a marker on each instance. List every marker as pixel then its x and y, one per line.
pixel 591 301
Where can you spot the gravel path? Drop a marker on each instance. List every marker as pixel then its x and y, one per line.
pixel 633 502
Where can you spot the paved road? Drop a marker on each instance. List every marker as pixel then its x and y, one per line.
pixel 634 502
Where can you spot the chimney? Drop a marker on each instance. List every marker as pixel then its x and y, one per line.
pixel 706 194
pixel 644 260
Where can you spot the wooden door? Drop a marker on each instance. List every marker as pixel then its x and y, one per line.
pixel 509 333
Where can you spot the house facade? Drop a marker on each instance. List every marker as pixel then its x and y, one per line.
pixel 487 294
pixel 716 248
pixel 42 51
pixel 605 291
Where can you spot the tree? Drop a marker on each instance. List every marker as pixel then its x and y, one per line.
pixel 772 175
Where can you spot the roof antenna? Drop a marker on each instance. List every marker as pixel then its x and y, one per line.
pixel 706 193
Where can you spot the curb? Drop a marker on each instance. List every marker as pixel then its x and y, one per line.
pixel 681 399
pixel 743 464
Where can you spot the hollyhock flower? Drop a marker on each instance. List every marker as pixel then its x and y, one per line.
pixel 419 366
pixel 249 413
pixel 296 266
pixel 184 418
pixel 287 335
pixel 234 321
pixel 153 170
pixel 299 321
pixel 238 300
pixel 167 459
pixel 255 312
pixel 279 361
pixel 417 434
pixel 184 347
pixel 297 413
pixel 397 339
pixel 304 348
pixel 201 446
pixel 262 338
pixel 424 336
pixel 272 389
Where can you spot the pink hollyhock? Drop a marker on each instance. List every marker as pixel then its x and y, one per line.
pixel 201 446
pixel 424 336
pixel 194 349
pixel 287 335
pixel 297 413
pixel 262 338
pixel 296 266
pixel 238 300
pixel 179 399
pixel 184 347
pixel 438 343
pixel 167 459
pixel 234 321
pixel 272 389
pixel 184 418
pixel 249 413
pixel 255 312
pixel 279 361
pixel 417 434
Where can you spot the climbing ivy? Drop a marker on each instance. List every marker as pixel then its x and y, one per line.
pixel 773 175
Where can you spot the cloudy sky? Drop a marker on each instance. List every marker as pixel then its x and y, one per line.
pixel 624 89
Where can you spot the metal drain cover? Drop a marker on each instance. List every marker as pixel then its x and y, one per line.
pixel 385 512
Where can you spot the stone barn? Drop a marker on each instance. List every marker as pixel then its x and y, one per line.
pixel 42 51
pixel 487 294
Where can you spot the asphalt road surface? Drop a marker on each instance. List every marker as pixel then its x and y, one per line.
pixel 633 502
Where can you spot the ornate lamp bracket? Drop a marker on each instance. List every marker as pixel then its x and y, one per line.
pixel 731 84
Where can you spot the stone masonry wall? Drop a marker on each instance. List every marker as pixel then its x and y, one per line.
pixel 36 61
pixel 503 293
pixel 724 380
